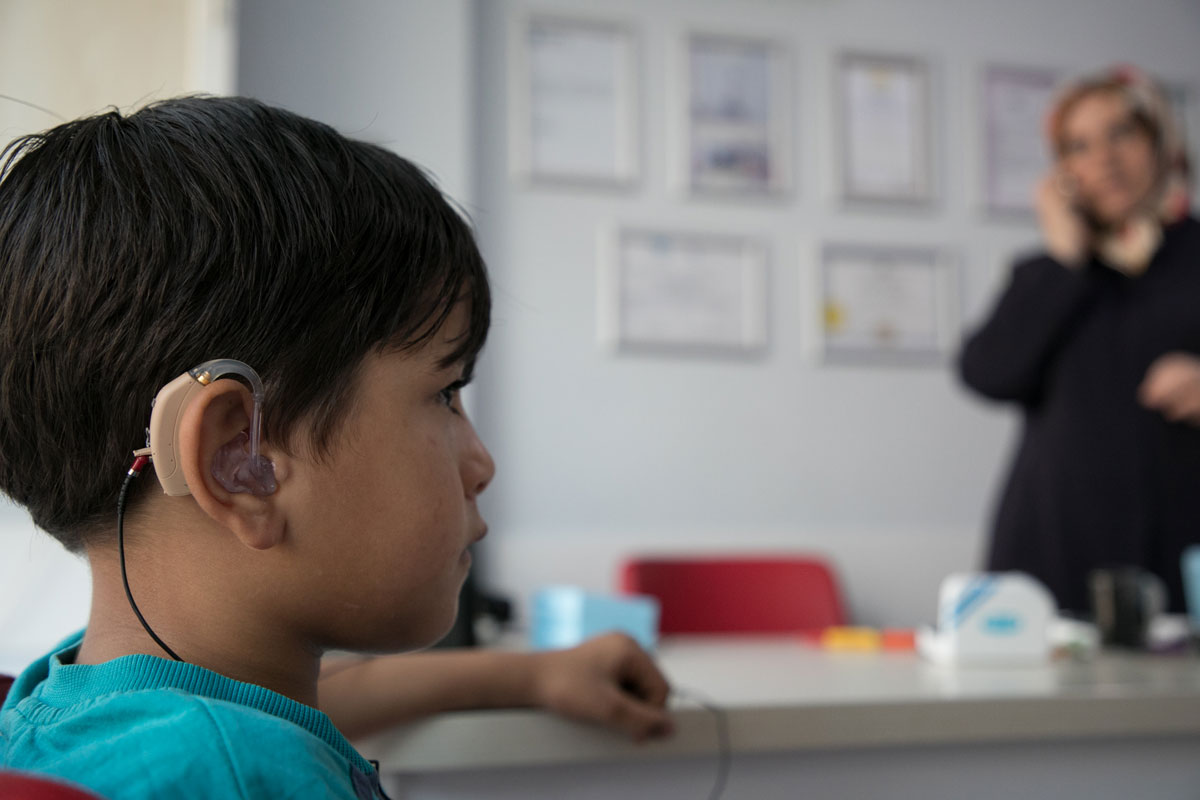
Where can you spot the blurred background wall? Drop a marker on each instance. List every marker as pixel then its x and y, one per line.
pixel 73 58
pixel 889 471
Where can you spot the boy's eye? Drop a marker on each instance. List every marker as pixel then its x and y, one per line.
pixel 448 395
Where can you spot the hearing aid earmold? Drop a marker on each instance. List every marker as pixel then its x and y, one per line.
pixel 234 467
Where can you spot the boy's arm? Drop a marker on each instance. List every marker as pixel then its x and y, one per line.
pixel 608 680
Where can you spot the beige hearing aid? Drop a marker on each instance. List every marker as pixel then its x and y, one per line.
pixel 253 474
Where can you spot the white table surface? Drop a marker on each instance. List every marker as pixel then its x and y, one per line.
pixel 785 695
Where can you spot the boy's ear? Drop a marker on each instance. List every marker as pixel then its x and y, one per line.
pixel 213 426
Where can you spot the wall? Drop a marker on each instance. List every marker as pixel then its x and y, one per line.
pixel 78 58
pixel 890 472
pixel 72 59
pixel 394 73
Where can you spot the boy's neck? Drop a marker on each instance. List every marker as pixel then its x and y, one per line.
pixel 208 628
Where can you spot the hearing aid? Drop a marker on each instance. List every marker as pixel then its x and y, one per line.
pixel 236 467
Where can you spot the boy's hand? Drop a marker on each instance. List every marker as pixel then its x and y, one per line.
pixel 1172 387
pixel 608 680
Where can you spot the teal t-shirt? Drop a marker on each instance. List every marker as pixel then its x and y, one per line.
pixel 142 726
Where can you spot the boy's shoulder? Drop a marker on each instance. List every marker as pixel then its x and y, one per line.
pixel 137 740
pixel 163 742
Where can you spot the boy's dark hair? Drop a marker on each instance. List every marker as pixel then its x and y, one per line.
pixel 135 247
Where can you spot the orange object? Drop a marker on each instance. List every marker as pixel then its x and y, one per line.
pixel 899 639
pixel 844 639
pixel 738 594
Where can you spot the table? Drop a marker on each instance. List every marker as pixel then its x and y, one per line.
pixel 800 718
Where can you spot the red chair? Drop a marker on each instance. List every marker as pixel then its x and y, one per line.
pixel 738 594
pixel 27 786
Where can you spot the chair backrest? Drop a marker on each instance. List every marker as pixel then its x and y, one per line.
pixel 735 594
pixel 27 786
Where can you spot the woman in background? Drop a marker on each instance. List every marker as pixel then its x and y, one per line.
pixel 1098 340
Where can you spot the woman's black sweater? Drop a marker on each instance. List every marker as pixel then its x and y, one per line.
pixel 1098 480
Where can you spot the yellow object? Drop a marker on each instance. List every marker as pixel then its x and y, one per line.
pixel 851 639
pixel 835 316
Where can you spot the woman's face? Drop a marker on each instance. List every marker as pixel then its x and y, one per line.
pixel 1109 157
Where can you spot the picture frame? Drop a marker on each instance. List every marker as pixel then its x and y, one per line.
pixel 1014 101
pixel 573 110
pixel 886 304
pixel 733 118
pixel 884 129
pixel 673 291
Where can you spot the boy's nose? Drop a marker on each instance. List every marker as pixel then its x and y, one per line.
pixel 479 468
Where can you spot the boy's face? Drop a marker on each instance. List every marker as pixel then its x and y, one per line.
pixel 382 525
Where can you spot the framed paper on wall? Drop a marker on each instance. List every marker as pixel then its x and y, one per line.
pixel 887 305
pixel 682 291
pixel 574 101
pixel 884 135
pixel 1016 156
pixel 735 133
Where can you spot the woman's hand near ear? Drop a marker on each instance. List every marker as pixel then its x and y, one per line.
pixel 1064 229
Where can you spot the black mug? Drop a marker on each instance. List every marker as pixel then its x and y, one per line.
pixel 1124 601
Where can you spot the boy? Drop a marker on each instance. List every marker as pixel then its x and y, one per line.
pixel 135 248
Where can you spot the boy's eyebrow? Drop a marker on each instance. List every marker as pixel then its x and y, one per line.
pixel 464 364
pixel 451 351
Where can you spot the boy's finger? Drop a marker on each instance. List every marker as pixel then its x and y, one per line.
pixel 645 678
pixel 636 718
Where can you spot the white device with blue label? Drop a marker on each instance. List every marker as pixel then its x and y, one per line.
pixel 990 618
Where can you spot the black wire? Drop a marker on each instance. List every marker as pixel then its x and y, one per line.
pixel 724 746
pixel 124 576
pixel 378 779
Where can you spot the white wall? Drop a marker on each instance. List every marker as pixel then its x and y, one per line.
pixel 393 72
pixel 891 472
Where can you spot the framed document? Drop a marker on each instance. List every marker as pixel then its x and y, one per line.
pixel 675 291
pixel 896 305
pixel 1015 102
pixel 735 138
pixel 884 129
pixel 574 100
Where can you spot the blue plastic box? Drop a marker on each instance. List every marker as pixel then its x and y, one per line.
pixel 564 616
